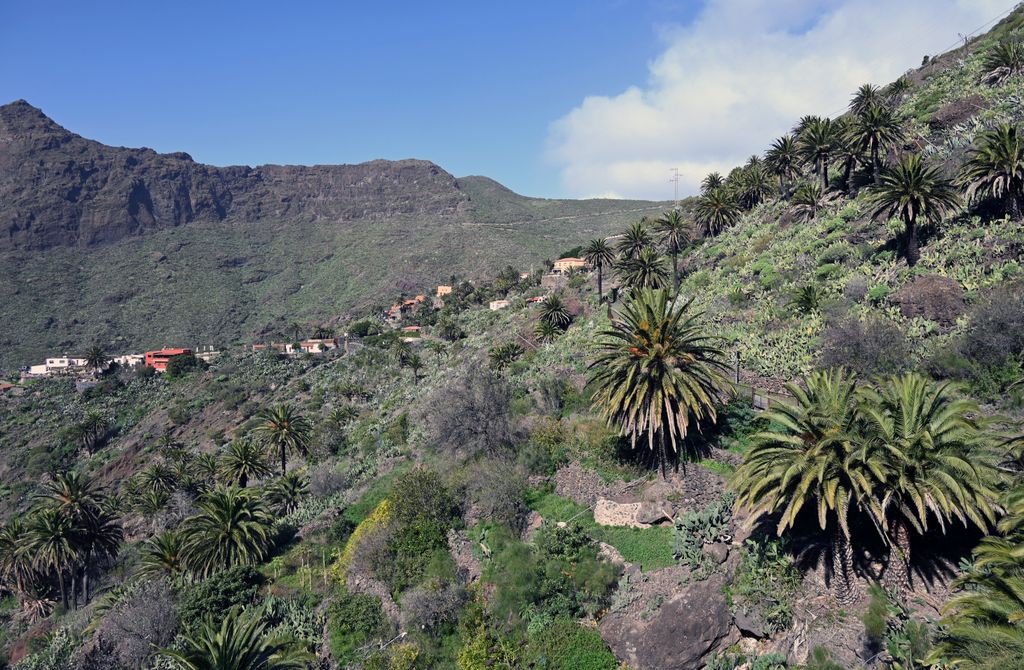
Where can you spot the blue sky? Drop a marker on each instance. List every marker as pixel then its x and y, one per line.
pixel 472 86
pixel 555 98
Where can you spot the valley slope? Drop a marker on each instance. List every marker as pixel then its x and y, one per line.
pixel 131 249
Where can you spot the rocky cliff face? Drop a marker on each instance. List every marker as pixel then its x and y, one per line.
pixel 60 189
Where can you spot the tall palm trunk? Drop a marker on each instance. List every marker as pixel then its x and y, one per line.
pixel 600 287
pixel 876 165
pixel 909 242
pixel 284 459
pixel 897 570
pixel 74 587
pixel 243 480
pixel 63 590
pixel 842 568
pixel 824 174
pixel 675 270
pixel 782 184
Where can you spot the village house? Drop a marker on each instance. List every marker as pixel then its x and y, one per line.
pixel 318 346
pixel 564 265
pixel 158 359
pixel 443 290
pixel 129 360
pixel 499 304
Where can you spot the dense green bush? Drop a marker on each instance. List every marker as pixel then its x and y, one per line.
pixel 423 509
pixel 219 593
pixel 353 620
pixel 566 645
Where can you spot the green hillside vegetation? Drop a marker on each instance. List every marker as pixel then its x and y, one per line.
pixel 450 501
pixel 230 283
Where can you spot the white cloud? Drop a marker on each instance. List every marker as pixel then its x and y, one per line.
pixel 740 75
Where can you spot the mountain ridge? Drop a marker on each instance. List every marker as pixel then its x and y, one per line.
pixel 240 251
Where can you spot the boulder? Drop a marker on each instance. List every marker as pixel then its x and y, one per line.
pixel 690 624
pixel 718 552
pixel 932 297
pixel 610 513
pixel 652 512
pixel 749 623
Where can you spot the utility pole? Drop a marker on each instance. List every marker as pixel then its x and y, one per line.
pixel 675 183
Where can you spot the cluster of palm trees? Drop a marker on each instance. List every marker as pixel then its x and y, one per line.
pixel 642 253
pixel 868 141
pixel 70 531
pixel 900 457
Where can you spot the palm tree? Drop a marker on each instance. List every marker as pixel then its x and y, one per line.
pixel 244 460
pixel 96 358
pixel 807 200
pixel 504 355
pixel 91 430
pixel 97 534
pixel 16 571
pixel 162 555
pixel 634 240
pixel 546 332
pixel 716 210
pixel 713 181
pixel 782 160
pixel 866 96
pixel 296 329
pixel 598 253
pixel 283 428
pixel 996 168
pixel 656 372
pixel 675 234
pixel 1003 61
pixel 874 129
pixel 816 143
pixel 806 299
pixel 240 642
pixel 554 311
pixel 937 464
pixel 982 627
pixel 53 545
pixel 285 493
pixel 233 527
pixel 158 477
pixel 648 270
pixel 911 190
pixel 414 363
pixel 810 457
pixel 753 185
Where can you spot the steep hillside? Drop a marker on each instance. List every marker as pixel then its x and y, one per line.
pixel 132 249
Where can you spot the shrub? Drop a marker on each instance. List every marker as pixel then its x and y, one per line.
pixel 471 416
pixel 547 448
pixel 182 364
pixel 132 629
pixel 996 330
pixel 432 604
pixel 566 645
pixel 695 529
pixel 768 581
pixel 873 346
pixel 878 293
pixel 423 510
pixel 354 620
pixel 218 594
pixel 364 328
pixel 498 492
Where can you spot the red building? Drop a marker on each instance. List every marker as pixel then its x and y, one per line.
pixel 158 359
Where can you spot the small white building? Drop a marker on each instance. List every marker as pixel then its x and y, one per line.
pixel 498 304
pixel 129 360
